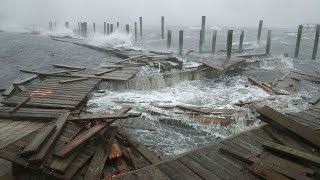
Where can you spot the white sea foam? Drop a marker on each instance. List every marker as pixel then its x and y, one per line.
pixel 277 62
pixel 59 32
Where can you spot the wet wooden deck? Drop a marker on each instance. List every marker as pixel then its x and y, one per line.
pixel 210 162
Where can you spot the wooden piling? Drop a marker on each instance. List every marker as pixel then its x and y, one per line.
pixel 162 27
pixel 66 24
pixel 316 42
pixel 104 28
pixel 127 28
pixel 203 27
pixel 241 41
pixel 180 41
pixel 85 29
pixel 108 28
pixel 140 19
pixel 135 31
pixel 229 43
pixel 118 25
pixel 55 25
pixel 50 26
pixel 94 27
pixel 111 28
pixel 79 28
pixel 268 42
pixel 296 53
pixel 200 41
pixel 82 29
pixel 259 31
pixel 214 39
pixel 169 39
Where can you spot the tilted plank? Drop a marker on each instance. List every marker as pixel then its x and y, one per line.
pixel 36 158
pixel 83 137
pixel 292 152
pixel 103 116
pixel 290 124
pixel 21 104
pixel 38 141
pixel 68 66
pixel 9 90
pixel 139 147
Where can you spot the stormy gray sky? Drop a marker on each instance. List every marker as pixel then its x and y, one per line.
pixel 278 13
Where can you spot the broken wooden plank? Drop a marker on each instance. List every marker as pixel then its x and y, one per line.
pixel 267 173
pixel 72 80
pixel 22 88
pixel 106 71
pixel 38 157
pixel 60 165
pixel 256 82
pixel 139 147
pixel 286 122
pixel 38 141
pixel 294 153
pixel 135 161
pixel 284 76
pixel 213 120
pixel 115 151
pixel 68 66
pixel 101 155
pixel 83 137
pixel 104 116
pixel 22 81
pixel 196 109
pixel 9 90
pixel 20 104
pixel 315 99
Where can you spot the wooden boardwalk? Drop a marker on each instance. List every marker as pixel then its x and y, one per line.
pixel 212 162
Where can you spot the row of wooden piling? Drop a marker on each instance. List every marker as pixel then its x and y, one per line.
pixel 108 29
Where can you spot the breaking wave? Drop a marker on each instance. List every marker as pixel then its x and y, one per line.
pixel 115 40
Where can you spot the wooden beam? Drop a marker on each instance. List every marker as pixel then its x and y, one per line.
pixel 196 109
pixel 72 80
pixel 83 137
pixel 256 82
pixel 106 71
pixel 22 81
pixel 294 153
pixel 104 116
pixel 38 141
pixel 9 90
pixel 139 147
pixel 68 66
pixel 39 157
pixel 286 122
pixel 20 104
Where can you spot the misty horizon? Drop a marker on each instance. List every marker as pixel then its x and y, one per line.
pixel 245 13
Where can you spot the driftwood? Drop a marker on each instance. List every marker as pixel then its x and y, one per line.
pixel 261 85
pixel 213 120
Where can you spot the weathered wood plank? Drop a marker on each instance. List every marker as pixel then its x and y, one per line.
pixel 256 82
pixel 68 66
pixel 9 90
pixel 38 157
pixel 293 126
pixel 20 104
pixel 83 137
pixel 103 116
pixel 139 147
pixel 72 80
pixel 292 152
pixel 101 155
pixel 38 141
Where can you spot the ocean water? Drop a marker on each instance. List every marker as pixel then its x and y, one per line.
pixel 22 49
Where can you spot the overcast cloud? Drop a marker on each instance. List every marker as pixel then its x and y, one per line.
pixel 277 13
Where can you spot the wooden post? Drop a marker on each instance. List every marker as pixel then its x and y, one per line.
pixel 296 53
pixel 82 29
pixel 316 42
pixel 140 19
pixel 127 28
pixel 180 41
pixel 203 27
pixel 214 39
pixel 94 27
pixel 118 25
pixel 268 42
pixel 108 28
pixel 55 25
pixel 241 41
pixel 79 28
pixel 162 27
pixel 229 43
pixel 85 29
pixel 66 24
pixel 200 41
pixel 104 28
pixel 135 32
pixel 259 31
pixel 50 26
pixel 111 28
pixel 169 39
